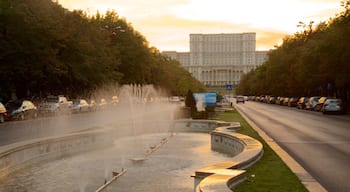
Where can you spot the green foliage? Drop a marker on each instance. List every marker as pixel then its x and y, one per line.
pixel 46 49
pixel 311 62
pixel 190 101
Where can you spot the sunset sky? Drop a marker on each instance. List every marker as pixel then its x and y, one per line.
pixel 166 24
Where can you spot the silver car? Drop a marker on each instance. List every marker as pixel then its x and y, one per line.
pixel 80 105
pixel 333 106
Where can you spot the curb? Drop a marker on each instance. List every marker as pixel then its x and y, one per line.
pixel 306 179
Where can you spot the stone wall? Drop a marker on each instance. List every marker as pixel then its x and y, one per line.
pixel 224 176
pixel 15 156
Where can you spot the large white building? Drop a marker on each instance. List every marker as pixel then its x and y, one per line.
pixel 218 60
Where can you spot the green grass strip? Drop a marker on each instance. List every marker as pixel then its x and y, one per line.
pixel 270 174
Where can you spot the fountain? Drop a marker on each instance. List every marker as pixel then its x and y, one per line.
pixel 144 153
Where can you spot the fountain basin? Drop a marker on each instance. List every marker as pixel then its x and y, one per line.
pixel 168 168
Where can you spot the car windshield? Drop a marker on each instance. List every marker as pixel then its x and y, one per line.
pixel 52 99
pixel 334 101
pixel 12 105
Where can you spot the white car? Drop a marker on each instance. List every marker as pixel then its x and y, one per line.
pixel 174 99
pixel 240 99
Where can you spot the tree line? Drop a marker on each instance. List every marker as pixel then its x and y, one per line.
pixel 47 49
pixel 314 61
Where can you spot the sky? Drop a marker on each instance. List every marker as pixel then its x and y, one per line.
pixel 167 24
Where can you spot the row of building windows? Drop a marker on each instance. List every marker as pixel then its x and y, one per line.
pixel 220 83
pixel 222 37
pixel 222 47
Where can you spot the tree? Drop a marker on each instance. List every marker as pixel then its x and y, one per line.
pixel 314 61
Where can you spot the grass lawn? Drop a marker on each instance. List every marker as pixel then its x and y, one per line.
pixel 270 174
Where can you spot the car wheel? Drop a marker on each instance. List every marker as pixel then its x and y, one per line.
pixel 58 112
pixel 35 115
pixel 21 116
pixel 2 119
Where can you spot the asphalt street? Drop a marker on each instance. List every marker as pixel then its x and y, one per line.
pixel 320 143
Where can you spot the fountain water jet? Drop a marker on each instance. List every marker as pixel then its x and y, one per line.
pixel 135 112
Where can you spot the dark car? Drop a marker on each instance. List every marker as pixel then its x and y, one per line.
pixel 311 103
pixel 320 103
pixel 3 113
pixel 301 104
pixel 21 109
pixel 333 106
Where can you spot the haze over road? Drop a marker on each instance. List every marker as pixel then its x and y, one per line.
pixel 320 143
pixel 122 116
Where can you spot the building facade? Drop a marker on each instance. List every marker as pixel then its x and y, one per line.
pixel 218 60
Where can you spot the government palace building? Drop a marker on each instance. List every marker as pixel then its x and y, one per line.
pixel 220 60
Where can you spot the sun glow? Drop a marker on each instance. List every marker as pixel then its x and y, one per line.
pixel 167 24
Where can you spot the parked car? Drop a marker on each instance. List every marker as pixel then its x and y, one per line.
pixel 279 100
pixel 115 100
pixel 55 105
pixel 239 99
pixel 102 105
pixel 333 106
pixel 272 100
pixel 245 98
pixel 301 104
pixel 92 105
pixel 174 99
pixel 21 109
pixel 320 103
pixel 257 98
pixel 285 101
pixel 263 98
pixel 311 103
pixel 292 102
pixel 3 113
pixel 80 105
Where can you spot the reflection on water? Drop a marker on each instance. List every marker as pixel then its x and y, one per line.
pixel 168 169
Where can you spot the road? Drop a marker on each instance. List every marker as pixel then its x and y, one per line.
pixel 320 143
pixel 17 131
